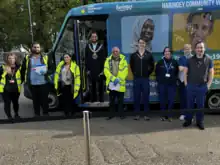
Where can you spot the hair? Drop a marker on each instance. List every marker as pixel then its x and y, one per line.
pixel 205 14
pixel 7 57
pixel 199 42
pixel 35 43
pixel 141 39
pixel 167 47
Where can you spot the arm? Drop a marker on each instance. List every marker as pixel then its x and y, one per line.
pixel 86 57
pixel 177 68
pixel 1 72
pixel 23 68
pixel 57 75
pixel 181 64
pixel 151 65
pixel 77 81
pixel 185 75
pixel 211 73
pixel 107 72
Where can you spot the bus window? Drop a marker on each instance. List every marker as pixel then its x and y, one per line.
pixel 66 43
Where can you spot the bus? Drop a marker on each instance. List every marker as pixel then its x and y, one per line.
pixel 165 23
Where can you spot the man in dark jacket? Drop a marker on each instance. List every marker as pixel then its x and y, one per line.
pixel 142 65
pixel 95 59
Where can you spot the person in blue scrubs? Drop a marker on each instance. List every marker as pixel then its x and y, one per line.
pixel 198 78
pixel 167 75
pixel 182 89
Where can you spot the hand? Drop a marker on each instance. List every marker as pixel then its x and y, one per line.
pixel 208 86
pixel 42 72
pixel 101 74
pixel 88 72
pixel 116 81
pixel 8 69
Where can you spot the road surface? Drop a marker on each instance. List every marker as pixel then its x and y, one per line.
pixel 115 142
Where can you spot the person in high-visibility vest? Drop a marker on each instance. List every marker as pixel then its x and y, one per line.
pixel 36 70
pixel 116 72
pixel 67 82
pixel 10 85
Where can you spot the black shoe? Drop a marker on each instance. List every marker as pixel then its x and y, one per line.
pixel 122 117
pixel 10 119
pixel 109 118
pixel 17 117
pixel 187 123
pixel 200 126
pixel 46 114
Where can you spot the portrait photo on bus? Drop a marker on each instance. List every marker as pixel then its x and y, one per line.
pixel 154 29
pixel 198 26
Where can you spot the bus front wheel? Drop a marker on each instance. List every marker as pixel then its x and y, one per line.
pixel 53 101
pixel 213 100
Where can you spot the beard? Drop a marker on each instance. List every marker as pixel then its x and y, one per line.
pixel 35 52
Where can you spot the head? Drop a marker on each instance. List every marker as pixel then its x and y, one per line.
pixel 35 49
pixel 147 31
pixel 115 52
pixel 167 52
pixel 199 27
pixel 187 49
pixel 11 59
pixel 94 37
pixel 67 58
pixel 200 48
pixel 141 44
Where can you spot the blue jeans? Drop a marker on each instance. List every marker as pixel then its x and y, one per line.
pixel 141 86
pixel 196 93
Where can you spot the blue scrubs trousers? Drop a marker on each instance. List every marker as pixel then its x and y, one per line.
pixel 183 97
pixel 167 95
pixel 196 93
pixel 141 88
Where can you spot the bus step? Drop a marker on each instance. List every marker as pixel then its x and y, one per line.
pixel 95 104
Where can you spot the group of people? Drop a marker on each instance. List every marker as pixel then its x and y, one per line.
pixel 194 74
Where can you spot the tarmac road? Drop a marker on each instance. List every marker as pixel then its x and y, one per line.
pixel 115 142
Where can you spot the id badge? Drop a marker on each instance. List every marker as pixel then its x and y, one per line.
pixel 167 75
pixel 12 81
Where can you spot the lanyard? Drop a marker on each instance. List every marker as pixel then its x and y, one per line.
pixel 167 68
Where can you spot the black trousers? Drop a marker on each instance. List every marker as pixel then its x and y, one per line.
pixel 11 97
pixel 113 95
pixel 98 84
pixel 67 99
pixel 40 98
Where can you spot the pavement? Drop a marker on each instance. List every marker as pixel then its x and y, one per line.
pixel 114 142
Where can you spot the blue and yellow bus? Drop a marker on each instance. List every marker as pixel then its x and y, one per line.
pixel 166 23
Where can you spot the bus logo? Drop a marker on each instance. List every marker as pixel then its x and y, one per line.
pixel 124 7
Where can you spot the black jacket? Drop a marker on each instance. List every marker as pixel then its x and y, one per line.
pixel 142 66
pixel 161 71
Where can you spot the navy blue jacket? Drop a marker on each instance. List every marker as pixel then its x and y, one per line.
pixel 161 71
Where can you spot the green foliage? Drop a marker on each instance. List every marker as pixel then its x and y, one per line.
pixel 47 14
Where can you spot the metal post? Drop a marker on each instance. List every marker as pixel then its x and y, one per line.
pixel 31 23
pixel 87 136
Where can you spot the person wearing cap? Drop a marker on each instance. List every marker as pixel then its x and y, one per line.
pixel 67 83
pixel 35 72
pixel 10 85
pixel 167 75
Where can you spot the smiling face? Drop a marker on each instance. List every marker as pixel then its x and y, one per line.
pixel 167 53
pixel 115 52
pixel 67 58
pixel 200 49
pixel 141 44
pixel 147 31
pixel 94 37
pixel 200 28
pixel 11 59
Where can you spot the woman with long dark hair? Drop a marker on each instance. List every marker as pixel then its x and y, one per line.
pixel 10 85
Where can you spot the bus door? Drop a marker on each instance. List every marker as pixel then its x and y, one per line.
pixel 85 26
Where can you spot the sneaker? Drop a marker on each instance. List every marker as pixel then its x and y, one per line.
pixel 146 118
pixel 137 117
pixel 17 117
pixel 109 118
pixel 122 117
pixel 163 118
pixel 200 126
pixel 182 117
pixel 170 119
